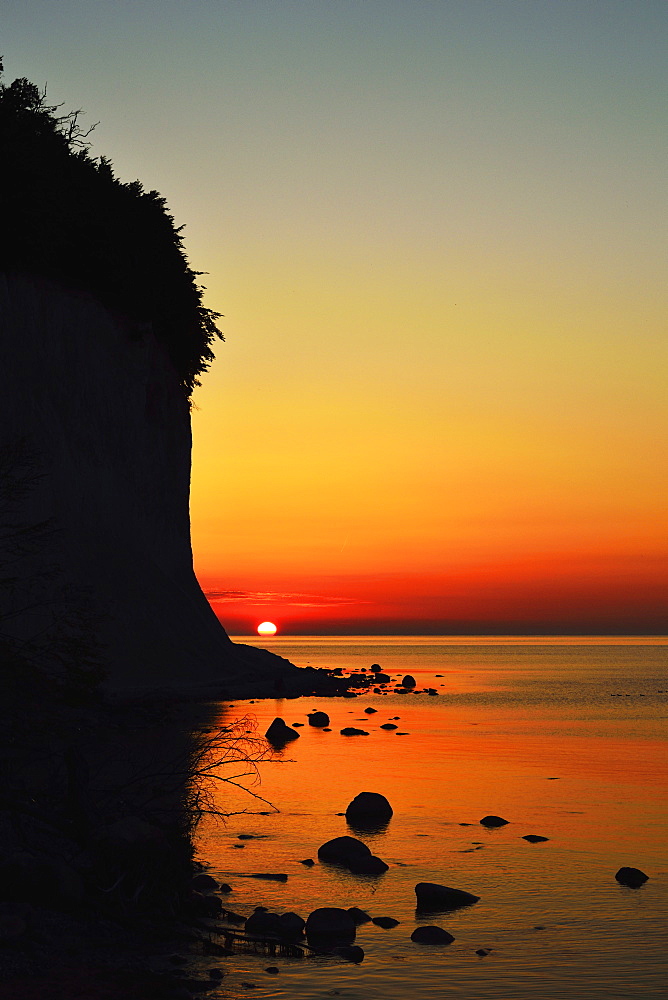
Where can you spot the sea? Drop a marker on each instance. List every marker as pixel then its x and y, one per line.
pixel 563 737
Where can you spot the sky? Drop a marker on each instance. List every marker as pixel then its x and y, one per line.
pixel 436 231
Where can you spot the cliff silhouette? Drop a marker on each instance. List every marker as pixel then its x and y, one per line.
pixel 103 336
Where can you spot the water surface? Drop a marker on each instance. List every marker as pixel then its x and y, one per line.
pixel 562 737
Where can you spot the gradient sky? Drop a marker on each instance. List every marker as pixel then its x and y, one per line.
pixel 436 231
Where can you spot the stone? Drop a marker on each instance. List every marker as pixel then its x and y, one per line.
pixel 262 923
pixel 342 850
pixel 431 934
pixel 371 865
pixel 408 681
pixel 631 877
pixel 225 887
pixel 359 916
pixel 309 862
pixel 482 952
pixel 279 733
pixel 352 731
pixel 368 807
pixel 534 838
pixel 385 922
pixel 204 905
pixel 492 821
pixel 291 925
pixel 382 678
pixel 330 924
pixel 389 725
pixel 370 711
pixel 431 896
pixel 318 719
pixel 204 883
pixel 376 667
pixel 272 970
pixel 216 973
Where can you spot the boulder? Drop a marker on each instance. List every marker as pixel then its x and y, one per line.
pixel 343 850
pixel 632 877
pixel 431 896
pixel 279 733
pixel 352 731
pixel 204 905
pixel 262 923
pixel 318 719
pixel 385 922
pixel 382 678
pixel 359 916
pixel 309 862
pixel 291 925
pixel 431 934
pixel 204 883
pixel 408 681
pixel 492 821
pixel 370 711
pixel 330 924
pixel 376 667
pixel 370 865
pixel 389 725
pixel 368 808
pixel 534 838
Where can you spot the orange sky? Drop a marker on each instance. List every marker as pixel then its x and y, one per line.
pixel 436 234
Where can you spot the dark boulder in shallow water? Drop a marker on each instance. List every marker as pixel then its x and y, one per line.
pixel 431 896
pixel 352 731
pixel 370 711
pixel 291 925
pixel 330 924
pixel 492 821
pixel 341 850
pixel 353 855
pixel 389 725
pixel 534 838
pixel 385 922
pixel 408 681
pixel 359 916
pixel 368 866
pixel 263 922
pixel 431 935
pixel 632 877
pixel 279 733
pixel 368 808
pixel 318 719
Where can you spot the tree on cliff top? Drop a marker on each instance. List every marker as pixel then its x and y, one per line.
pixel 67 217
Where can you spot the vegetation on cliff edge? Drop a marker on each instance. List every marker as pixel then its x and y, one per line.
pixel 67 217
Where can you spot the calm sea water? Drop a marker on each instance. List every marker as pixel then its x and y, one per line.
pixel 565 738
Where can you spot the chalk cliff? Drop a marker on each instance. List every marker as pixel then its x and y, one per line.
pixel 95 447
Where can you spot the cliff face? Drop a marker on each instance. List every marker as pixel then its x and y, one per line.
pixel 95 442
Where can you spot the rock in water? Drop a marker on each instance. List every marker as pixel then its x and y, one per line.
pixel 492 821
pixel 408 681
pixel 342 850
pixel 431 896
pixel 279 733
pixel 385 922
pixel 368 807
pixel 330 924
pixel 431 934
pixel 291 925
pixel 359 916
pixel 318 719
pixel 352 731
pixel 534 838
pixel 632 877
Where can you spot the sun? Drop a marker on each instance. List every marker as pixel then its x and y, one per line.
pixel 266 628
